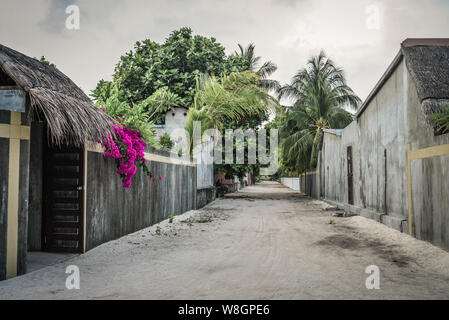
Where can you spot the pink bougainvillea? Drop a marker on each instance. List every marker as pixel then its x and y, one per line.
pixel 127 149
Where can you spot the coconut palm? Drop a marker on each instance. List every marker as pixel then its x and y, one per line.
pixel 231 99
pixel 320 95
pixel 263 72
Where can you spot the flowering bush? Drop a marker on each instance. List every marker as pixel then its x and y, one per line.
pixel 132 132
pixel 127 148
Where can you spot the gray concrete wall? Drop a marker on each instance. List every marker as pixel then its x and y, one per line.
pixel 306 183
pixel 379 184
pixel 379 141
pixel 429 177
pixel 205 196
pixel 112 212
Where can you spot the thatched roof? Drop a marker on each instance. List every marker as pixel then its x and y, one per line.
pixel 70 114
pixel 428 65
pixel 427 61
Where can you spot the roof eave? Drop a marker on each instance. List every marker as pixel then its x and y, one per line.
pixel 391 68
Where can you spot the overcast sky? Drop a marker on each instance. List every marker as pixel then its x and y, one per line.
pixel 287 32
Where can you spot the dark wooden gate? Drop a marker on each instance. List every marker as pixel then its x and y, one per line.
pixel 63 199
pixel 350 176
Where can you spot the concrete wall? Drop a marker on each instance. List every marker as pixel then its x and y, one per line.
pixel 112 212
pixel 291 182
pixel 333 168
pixel 379 141
pixel 206 191
pixel 379 150
pixel 307 183
pixel 429 177
pixel 205 166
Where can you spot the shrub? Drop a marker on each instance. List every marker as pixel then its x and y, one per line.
pixel 165 142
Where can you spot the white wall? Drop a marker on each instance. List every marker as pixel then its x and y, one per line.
pixel 205 166
pixel 292 183
pixel 174 119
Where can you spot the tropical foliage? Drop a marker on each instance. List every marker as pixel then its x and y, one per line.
pixel 132 116
pixel 166 142
pixel 321 97
pixel 173 65
pixel 252 63
pixel 229 102
pixel 441 120
pixel 132 132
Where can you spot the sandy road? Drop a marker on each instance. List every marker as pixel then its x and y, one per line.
pixel 265 242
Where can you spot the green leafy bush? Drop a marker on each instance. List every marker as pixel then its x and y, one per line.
pixel 165 142
pixel 442 120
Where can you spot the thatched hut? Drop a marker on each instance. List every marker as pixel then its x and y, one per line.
pixel 70 115
pixel 45 121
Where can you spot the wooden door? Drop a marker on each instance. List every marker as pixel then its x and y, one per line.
pixel 350 176
pixel 63 199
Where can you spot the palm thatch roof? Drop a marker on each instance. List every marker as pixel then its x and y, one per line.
pixel 70 114
pixel 428 65
pixel 427 61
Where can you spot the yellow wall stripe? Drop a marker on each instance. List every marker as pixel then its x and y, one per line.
pixel 424 153
pixel 430 152
pixel 14 131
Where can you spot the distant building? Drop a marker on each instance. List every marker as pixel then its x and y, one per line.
pixel 174 119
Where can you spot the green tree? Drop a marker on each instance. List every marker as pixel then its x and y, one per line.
pixel 320 95
pixel 231 102
pixel 166 142
pixel 174 65
pixel 252 62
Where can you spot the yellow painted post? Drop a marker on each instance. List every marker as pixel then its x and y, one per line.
pixel 13 196
pixel 14 132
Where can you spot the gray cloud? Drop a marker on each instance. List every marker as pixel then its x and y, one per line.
pixel 284 31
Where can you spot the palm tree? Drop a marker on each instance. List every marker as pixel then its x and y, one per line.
pixel 263 72
pixel 320 93
pixel 234 98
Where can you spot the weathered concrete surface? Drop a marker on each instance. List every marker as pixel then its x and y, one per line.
pixel 379 139
pixel 265 242
pixel 205 196
pixel 112 212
